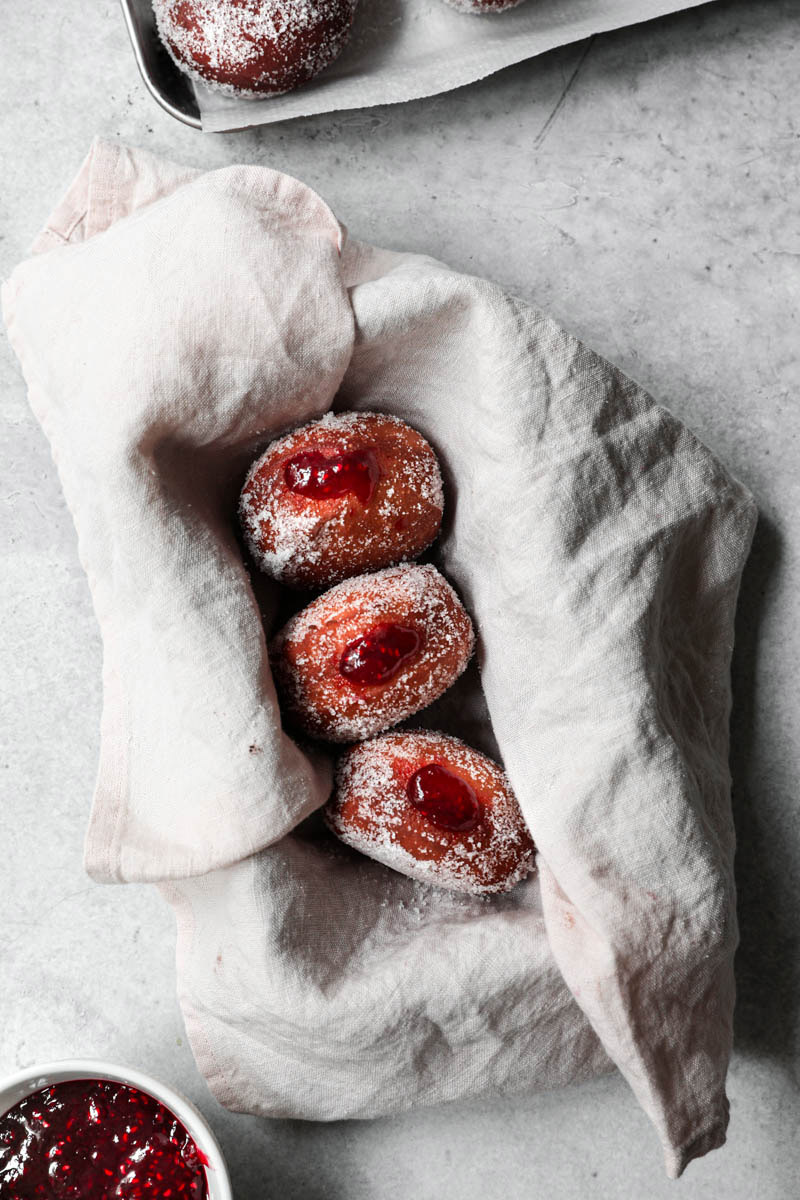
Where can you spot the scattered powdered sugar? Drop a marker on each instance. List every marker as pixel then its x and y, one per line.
pixel 447 903
pixel 307 542
pixel 253 47
pixel 306 653
pixel 482 6
pixel 370 812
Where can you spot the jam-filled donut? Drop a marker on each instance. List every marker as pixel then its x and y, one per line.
pixel 254 47
pixel 347 494
pixel 432 808
pixel 371 652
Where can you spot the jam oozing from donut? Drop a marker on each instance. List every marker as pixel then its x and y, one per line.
pixel 95 1139
pixel 378 655
pixel 444 798
pixel 328 476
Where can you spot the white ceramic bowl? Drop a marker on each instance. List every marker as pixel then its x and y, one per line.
pixel 17 1087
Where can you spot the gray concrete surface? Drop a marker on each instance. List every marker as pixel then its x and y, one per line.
pixel 649 203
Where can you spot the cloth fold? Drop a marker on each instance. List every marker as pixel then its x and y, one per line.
pixel 598 546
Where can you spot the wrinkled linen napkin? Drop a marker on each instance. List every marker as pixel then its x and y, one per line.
pixel 171 323
pixel 406 49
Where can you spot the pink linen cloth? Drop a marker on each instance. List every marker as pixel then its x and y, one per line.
pixel 171 323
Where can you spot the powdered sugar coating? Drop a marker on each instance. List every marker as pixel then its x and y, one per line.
pixel 370 811
pixel 312 542
pixel 254 47
pixel 482 6
pixel 306 653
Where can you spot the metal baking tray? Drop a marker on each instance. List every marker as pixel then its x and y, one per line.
pixel 165 83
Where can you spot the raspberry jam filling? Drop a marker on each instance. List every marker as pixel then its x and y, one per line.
pixel 95 1139
pixel 444 798
pixel 378 655
pixel 328 476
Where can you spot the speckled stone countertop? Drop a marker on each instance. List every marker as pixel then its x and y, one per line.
pixel 648 202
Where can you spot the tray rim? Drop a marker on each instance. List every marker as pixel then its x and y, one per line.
pixel 153 88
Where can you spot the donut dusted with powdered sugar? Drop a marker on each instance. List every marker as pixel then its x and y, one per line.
pixel 429 806
pixel 254 47
pixel 371 652
pixel 341 496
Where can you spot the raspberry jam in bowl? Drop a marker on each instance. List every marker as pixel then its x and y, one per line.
pixel 90 1131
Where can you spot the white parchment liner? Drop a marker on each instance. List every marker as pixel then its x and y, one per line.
pixel 407 49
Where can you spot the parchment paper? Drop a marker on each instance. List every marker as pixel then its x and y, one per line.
pixel 407 49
